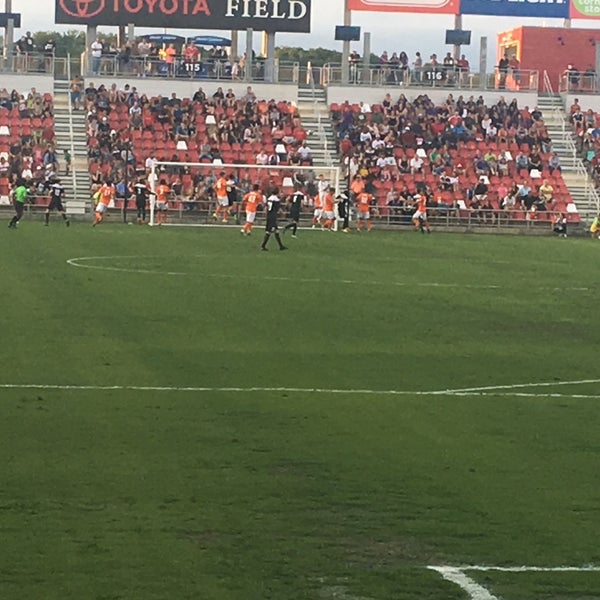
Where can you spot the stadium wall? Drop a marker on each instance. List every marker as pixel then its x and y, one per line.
pixel 23 83
pixel 340 94
pixel 187 88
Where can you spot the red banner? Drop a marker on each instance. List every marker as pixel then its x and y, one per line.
pixel 449 7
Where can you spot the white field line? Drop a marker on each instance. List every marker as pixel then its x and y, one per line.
pixel 527 569
pixel 516 386
pixel 80 262
pixel 315 390
pixel 458 576
pixel 455 575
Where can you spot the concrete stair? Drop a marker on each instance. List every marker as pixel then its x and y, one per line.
pixel 574 173
pixel 70 134
pixel 314 113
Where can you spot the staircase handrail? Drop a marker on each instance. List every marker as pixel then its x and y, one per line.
pixel 72 145
pixel 548 84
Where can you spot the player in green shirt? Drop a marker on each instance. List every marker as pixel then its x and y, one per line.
pixel 19 196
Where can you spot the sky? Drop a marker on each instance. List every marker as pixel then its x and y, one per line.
pixel 394 32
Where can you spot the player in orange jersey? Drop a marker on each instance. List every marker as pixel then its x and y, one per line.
pixel 363 210
pixel 419 218
pixel 105 195
pixel 162 201
pixel 220 188
pixel 328 209
pixel 251 202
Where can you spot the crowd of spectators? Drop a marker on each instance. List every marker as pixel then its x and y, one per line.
pixel 586 132
pixel 462 154
pixel 128 131
pixel 27 150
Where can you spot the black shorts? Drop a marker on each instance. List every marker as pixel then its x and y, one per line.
pixel 140 204
pixel 271 226
pixel 56 204
pixel 19 208
pixel 295 215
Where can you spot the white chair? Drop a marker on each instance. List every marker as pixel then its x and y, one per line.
pixel 182 145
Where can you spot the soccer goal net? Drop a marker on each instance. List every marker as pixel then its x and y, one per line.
pixel 190 192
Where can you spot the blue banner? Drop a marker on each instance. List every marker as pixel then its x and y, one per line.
pixel 516 8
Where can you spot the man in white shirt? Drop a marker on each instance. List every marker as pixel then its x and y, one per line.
pixel 416 164
pixel 96 50
pixel 262 158
pixel 305 153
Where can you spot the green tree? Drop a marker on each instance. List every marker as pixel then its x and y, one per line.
pixel 317 56
pixel 70 42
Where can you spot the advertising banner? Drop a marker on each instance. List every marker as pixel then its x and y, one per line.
pixel 585 9
pixel 450 7
pixel 261 15
pixel 517 8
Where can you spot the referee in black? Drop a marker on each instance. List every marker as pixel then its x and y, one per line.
pixel 272 207
pixel 142 193
pixel 295 208
pixel 344 211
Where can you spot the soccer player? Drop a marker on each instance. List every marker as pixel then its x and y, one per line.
pixel 272 207
pixel 251 202
pixel 57 193
pixel 328 209
pixel 363 210
pixel 19 196
pixel 104 196
pixel 295 208
pixel 220 188
pixel 142 193
pixel 318 211
pixel 162 201
pixel 419 218
pixel 595 227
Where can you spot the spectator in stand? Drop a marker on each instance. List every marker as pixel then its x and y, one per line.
pixel 572 75
pixel 554 163
pixel 462 64
pixel 417 67
pixel 305 153
pixel 546 193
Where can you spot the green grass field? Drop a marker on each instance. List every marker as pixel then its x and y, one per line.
pixel 186 417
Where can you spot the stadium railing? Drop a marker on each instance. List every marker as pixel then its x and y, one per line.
pixel 212 70
pixel 578 83
pixel 361 74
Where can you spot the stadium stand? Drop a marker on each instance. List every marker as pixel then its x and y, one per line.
pixel 491 162
pixel 27 147
pixel 127 131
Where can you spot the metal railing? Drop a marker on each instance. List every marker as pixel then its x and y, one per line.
pixel 71 143
pixel 575 83
pixel 154 67
pixel 362 74
pixel 37 63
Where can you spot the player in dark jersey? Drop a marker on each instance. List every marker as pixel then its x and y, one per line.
pixel 57 193
pixel 19 195
pixel 295 202
pixel 142 193
pixel 344 211
pixel 272 207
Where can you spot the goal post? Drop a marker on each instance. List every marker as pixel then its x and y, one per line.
pixel 192 176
